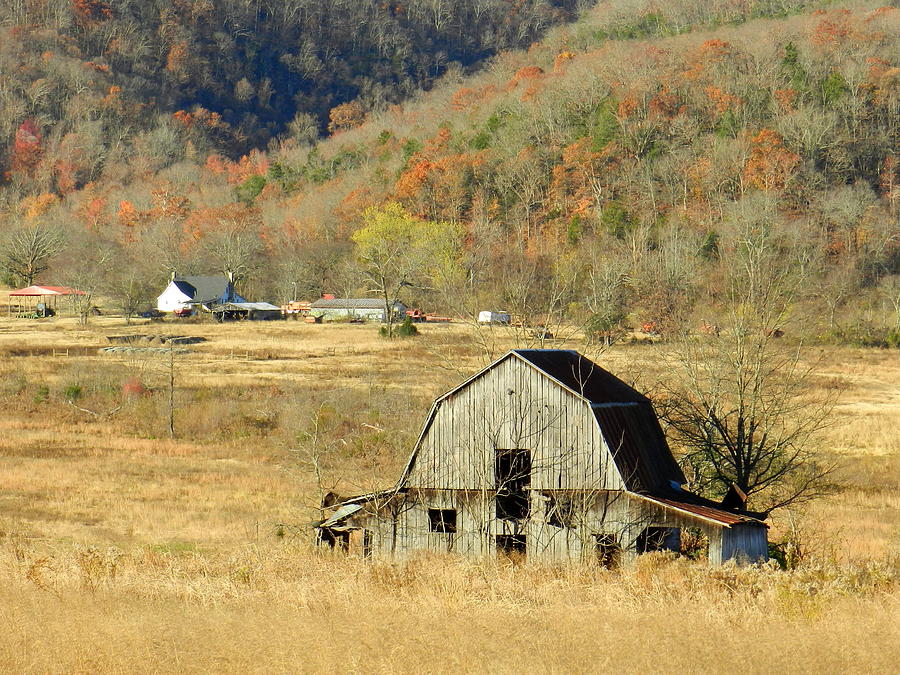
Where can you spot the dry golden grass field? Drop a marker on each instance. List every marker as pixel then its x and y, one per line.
pixel 125 550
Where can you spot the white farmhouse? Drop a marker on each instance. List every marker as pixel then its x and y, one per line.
pixel 196 291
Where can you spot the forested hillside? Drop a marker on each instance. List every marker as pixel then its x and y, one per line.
pixel 617 171
pixel 105 70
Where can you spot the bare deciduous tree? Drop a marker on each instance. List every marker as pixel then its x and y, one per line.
pixel 236 252
pixel 742 406
pixel 606 299
pixel 29 251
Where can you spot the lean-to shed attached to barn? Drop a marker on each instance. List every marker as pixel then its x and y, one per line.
pixel 543 454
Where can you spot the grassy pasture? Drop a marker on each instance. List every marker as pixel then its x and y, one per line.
pixel 122 549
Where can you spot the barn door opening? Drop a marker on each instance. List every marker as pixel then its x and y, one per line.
pixel 512 477
pixel 512 546
pixel 608 550
pixel 659 539
pixel 338 540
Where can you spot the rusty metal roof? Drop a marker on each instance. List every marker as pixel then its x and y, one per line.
pixel 698 506
pixel 33 291
pixel 638 446
pixel 581 375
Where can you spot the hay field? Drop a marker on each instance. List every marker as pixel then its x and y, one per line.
pixel 124 550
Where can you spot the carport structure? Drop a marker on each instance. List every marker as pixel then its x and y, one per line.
pixel 32 297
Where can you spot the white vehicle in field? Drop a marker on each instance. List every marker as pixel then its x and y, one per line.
pixel 501 318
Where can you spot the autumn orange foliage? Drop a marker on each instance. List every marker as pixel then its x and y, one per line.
pixel 665 104
pixel 177 56
pixel 786 98
pixel 468 96
pixel 833 29
pixel 27 147
pixel 580 174
pixel 722 101
pixel 88 12
pixel 37 205
pixel 199 117
pixel 770 164
pixel 127 214
pixel 528 73
pixel 561 59
pixel 346 116
pixel 627 106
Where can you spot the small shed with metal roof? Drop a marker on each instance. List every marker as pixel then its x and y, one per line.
pixel 365 309
pixel 544 454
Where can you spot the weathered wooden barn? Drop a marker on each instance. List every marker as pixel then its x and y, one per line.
pixel 542 454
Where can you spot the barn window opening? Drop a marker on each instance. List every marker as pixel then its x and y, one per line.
pixel 560 511
pixel 442 520
pixel 658 539
pixel 608 550
pixel 512 546
pixel 512 477
pixel 334 539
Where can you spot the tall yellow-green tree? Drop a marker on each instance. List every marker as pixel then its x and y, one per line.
pixel 396 249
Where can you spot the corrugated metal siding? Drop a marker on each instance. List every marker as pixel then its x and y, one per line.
pixel 746 540
pixel 349 303
pixel 718 515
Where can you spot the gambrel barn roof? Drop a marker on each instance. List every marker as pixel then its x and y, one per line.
pixel 626 421
pixel 625 416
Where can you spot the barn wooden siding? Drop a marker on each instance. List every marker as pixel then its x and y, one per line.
pixel 513 406
pixel 403 528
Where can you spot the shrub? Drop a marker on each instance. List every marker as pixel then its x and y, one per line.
pixel 481 141
pixel 73 392
pixel 406 329
pixel 42 395
pixel 863 336
pixel 249 190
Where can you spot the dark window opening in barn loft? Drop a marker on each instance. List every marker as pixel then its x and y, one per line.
pixel 512 476
pixel 608 550
pixel 657 539
pixel 442 520
pixel 511 545
pixel 560 511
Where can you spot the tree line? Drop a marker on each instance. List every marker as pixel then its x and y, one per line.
pixel 608 177
pixel 86 80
